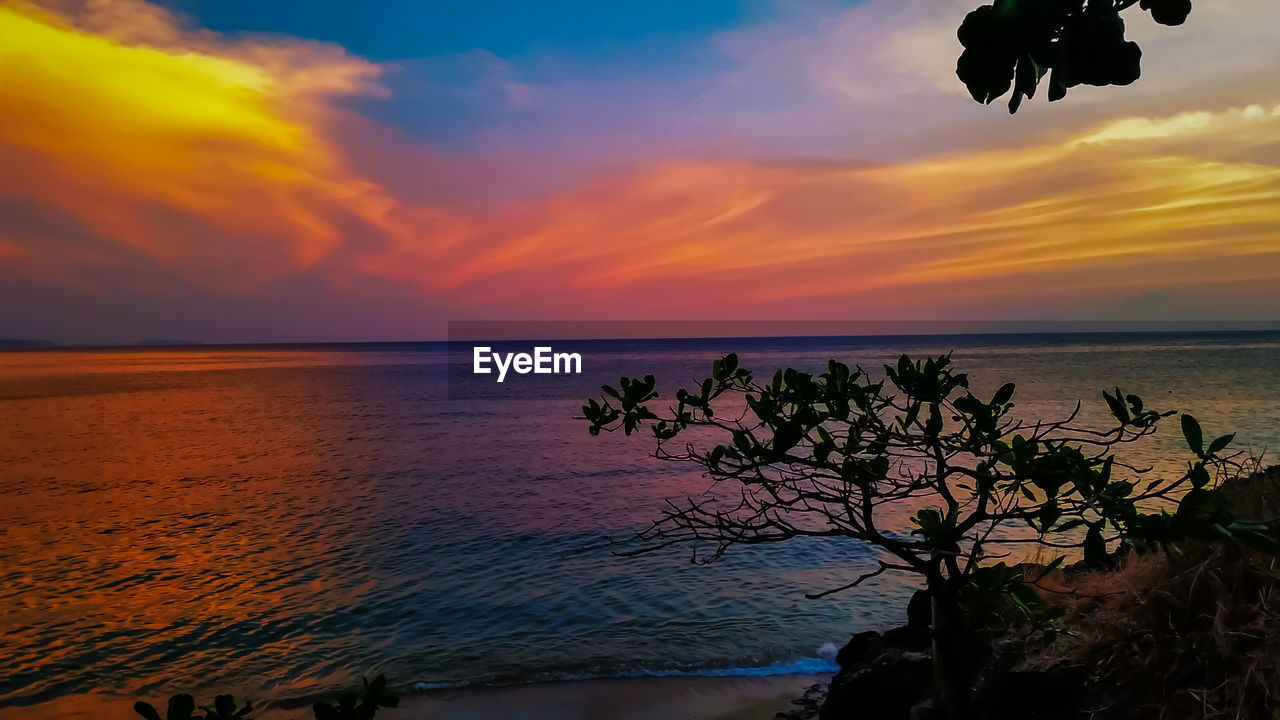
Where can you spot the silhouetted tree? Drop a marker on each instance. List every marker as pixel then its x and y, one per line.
pixel 1015 43
pixel 843 455
pixel 362 705
pixel 351 705
pixel 183 707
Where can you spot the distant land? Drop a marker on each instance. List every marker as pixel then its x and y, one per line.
pixel 577 330
pixel 164 341
pixel 20 343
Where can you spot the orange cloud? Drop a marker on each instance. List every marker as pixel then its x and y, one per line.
pixel 1129 205
pixel 203 154
pixel 229 164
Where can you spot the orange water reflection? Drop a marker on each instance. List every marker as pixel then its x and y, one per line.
pixel 144 505
pixel 275 522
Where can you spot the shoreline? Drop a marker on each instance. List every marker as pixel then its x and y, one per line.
pixel 647 698
pixel 644 698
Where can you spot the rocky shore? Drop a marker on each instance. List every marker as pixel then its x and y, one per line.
pixel 1188 635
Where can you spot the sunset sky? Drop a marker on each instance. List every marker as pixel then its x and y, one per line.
pixel 224 170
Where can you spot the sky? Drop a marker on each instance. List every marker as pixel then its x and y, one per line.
pixel 233 171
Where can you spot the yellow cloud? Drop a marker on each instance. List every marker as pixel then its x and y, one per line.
pixel 1181 125
pixel 1133 204
pixel 218 160
pixel 122 128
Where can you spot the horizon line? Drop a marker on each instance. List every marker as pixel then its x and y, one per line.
pixel 934 329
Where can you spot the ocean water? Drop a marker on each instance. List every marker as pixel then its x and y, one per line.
pixel 278 520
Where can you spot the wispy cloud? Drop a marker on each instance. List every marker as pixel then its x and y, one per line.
pixel 1128 205
pixel 200 153
pixel 835 170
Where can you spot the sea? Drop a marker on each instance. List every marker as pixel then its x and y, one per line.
pixel 276 521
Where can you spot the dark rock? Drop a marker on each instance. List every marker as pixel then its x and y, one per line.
pixel 1031 695
pixel 923 711
pixel 919 610
pixel 914 639
pixel 885 689
pixel 882 675
pixel 860 649
pixel 865 647
pixel 808 704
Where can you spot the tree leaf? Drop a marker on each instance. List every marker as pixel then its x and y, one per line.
pixel 1167 12
pixel 1219 444
pixel 1095 547
pixel 224 705
pixel 180 707
pixel 1194 435
pixel 1003 395
pixel 786 436
pixel 1118 408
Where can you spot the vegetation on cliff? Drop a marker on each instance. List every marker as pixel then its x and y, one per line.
pixel 845 454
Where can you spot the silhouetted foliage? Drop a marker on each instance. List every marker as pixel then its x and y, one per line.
pixel 840 454
pixel 1016 43
pixel 351 705
pixel 183 707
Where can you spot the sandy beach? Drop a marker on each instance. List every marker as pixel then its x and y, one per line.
pixel 694 698
pixel 677 698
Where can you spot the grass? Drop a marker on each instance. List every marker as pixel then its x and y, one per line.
pixel 1193 634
